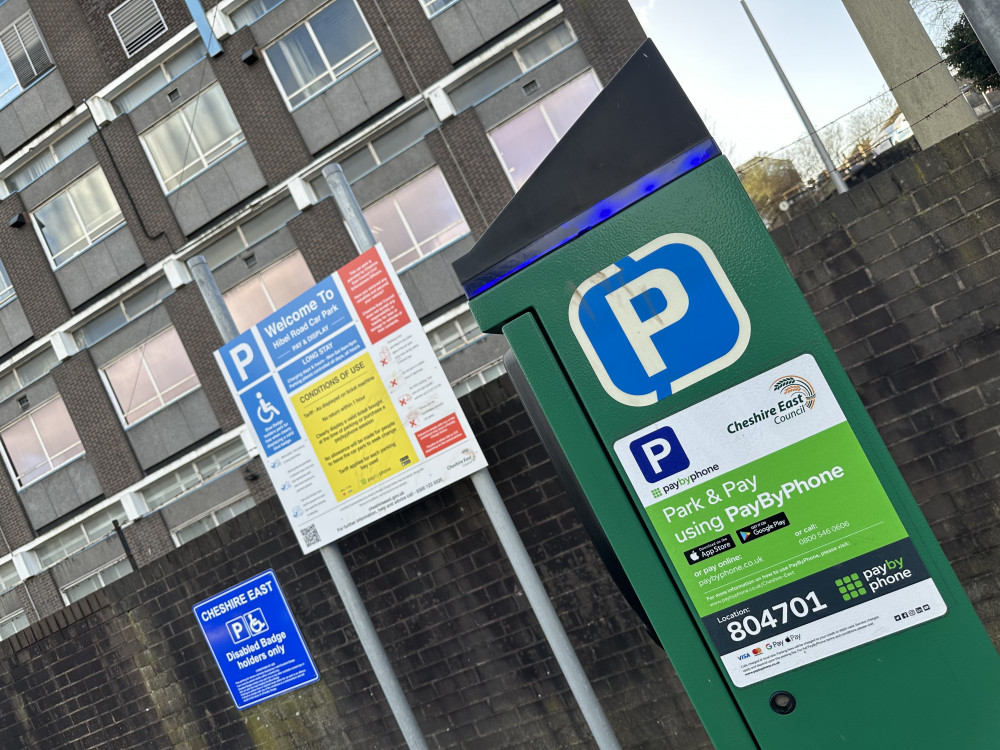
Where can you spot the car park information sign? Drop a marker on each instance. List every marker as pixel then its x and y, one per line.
pixel 349 405
pixel 777 525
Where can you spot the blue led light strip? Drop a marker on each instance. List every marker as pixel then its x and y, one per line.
pixel 598 214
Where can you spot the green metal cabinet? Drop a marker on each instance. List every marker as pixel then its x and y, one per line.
pixel 715 448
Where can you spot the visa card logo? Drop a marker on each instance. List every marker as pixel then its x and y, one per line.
pixel 658 320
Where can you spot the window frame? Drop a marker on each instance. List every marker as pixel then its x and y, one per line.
pixel 416 246
pixel 91 531
pixel 425 4
pixel 213 514
pixel 14 580
pixel 334 78
pixel 454 317
pixel 238 6
pixel 160 67
pixel 258 276
pixel 206 165
pixel 525 68
pixel 38 76
pixel 91 240
pixel 204 469
pixel 537 103
pixel 22 377
pixel 7 291
pixel 8 461
pixel 12 617
pixel 163 403
pixel 51 151
pixel 159 286
pixel 96 573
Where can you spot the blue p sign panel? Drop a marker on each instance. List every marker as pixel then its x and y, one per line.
pixel 659 455
pixel 658 320
pixel 255 640
pixel 243 360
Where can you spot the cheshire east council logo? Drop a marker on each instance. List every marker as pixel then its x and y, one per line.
pixel 789 385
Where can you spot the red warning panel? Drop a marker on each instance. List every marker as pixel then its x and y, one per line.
pixel 440 435
pixel 374 296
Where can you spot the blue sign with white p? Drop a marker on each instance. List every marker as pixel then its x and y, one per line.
pixel 659 455
pixel 243 360
pixel 658 320
pixel 255 640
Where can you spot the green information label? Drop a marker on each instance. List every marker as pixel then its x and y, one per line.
pixel 805 508
pixel 776 524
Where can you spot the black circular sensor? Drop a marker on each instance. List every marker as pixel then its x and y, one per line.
pixel 782 702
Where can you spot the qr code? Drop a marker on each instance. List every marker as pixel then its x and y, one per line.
pixel 310 536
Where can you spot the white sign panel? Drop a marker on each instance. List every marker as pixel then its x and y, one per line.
pixel 350 407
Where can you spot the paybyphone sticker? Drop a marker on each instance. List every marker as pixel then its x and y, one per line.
pixel 818 561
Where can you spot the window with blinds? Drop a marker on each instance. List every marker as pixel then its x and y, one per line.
pixel 26 53
pixel 137 23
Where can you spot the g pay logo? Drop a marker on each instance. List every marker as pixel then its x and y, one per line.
pixel 658 320
pixel 659 455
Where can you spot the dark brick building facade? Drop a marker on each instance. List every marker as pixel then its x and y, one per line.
pixel 126 150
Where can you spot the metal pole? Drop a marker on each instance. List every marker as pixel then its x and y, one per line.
pixel 213 298
pixel 334 560
pixel 838 181
pixel 501 520
pixel 984 17
pixel 373 647
pixel 357 225
pixel 539 600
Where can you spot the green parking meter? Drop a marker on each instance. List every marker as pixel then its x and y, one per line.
pixel 715 448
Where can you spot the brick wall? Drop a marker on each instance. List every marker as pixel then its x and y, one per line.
pixel 201 338
pixel 128 668
pixel 124 158
pixel 65 29
pixel 410 45
pixel 266 122
pixel 904 275
pixel 476 176
pixel 609 33
pixel 28 268
pixel 96 420
pixel 105 39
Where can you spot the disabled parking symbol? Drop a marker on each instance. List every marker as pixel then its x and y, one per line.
pixel 268 413
pixel 247 626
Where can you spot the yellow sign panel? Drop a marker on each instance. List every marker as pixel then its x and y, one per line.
pixel 354 429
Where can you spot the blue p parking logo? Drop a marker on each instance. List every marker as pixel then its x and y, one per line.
pixel 659 455
pixel 660 319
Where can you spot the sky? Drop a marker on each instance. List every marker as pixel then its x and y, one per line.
pixel 713 51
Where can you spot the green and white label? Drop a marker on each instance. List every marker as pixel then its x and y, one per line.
pixel 777 525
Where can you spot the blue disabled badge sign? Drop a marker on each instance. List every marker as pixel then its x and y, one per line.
pixel 255 641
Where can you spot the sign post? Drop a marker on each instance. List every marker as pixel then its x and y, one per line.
pixel 351 432
pixel 715 448
pixel 331 552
